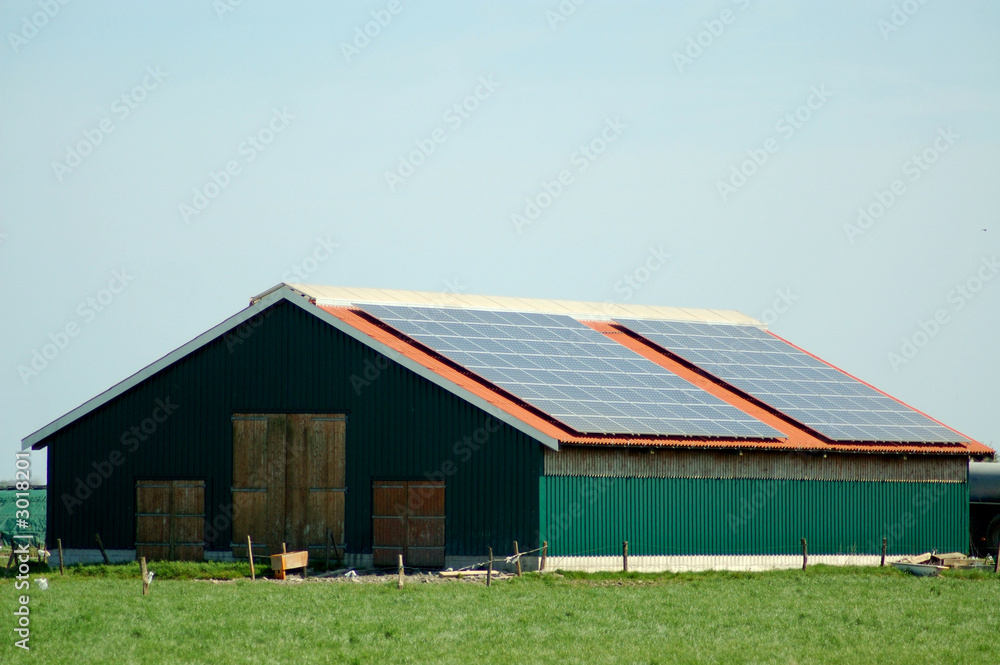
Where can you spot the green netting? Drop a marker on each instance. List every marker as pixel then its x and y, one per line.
pixel 36 514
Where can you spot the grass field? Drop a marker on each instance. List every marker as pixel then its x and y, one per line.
pixel 823 615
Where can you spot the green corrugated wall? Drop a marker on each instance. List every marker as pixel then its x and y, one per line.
pixel 592 516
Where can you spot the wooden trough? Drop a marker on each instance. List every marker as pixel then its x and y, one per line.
pixel 288 561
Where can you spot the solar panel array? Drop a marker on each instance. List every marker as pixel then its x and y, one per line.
pixel 571 372
pixel 793 382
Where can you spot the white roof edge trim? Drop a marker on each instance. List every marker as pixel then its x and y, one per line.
pixel 581 310
pixel 298 298
pixel 151 369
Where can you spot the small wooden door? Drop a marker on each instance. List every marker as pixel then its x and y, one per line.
pixel 408 518
pixel 170 520
pixel 288 482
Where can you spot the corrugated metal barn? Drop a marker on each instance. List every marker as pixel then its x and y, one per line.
pixel 438 425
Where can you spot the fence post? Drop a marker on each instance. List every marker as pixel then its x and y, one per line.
pixel 62 571
pixel 253 572
pixel 883 552
pixel 399 584
pixel 625 556
pixel 145 575
pixel 489 570
pixel 517 558
pixel 996 563
pixel 104 554
pixel 545 555
pixel 805 554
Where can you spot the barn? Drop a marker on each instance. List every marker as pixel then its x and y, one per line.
pixel 436 426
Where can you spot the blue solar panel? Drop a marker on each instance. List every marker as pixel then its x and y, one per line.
pixel 572 372
pixel 793 382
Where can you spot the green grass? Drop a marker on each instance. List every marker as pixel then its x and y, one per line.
pixel 824 615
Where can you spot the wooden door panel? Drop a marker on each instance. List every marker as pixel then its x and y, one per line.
pixel 152 497
pixel 295 462
pixel 296 481
pixel 425 532
pixel 276 460
pixel 425 498
pixel 170 519
pixel 326 514
pixel 408 519
pixel 425 557
pixel 249 451
pixel 152 528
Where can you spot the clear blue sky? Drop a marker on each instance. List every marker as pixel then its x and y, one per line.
pixel 184 87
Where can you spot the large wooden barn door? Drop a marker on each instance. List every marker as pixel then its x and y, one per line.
pixel 288 481
pixel 170 520
pixel 408 518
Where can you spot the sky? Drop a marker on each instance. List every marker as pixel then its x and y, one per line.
pixel 827 168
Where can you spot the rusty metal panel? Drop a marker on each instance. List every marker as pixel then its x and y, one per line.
pixel 648 463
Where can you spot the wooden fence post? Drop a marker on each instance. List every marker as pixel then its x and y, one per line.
pixel 625 556
pixel 62 571
pixel 545 556
pixel 145 575
pixel 489 570
pixel 996 563
pixel 253 572
pixel 805 554
pixel 399 584
pixel 517 558
pixel 104 554
pixel 883 552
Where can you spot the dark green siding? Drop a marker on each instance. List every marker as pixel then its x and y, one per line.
pixel 399 426
pixel 592 516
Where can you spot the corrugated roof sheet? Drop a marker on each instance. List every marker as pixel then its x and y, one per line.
pixel 346 296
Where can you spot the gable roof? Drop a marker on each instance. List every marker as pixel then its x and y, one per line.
pixel 342 308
